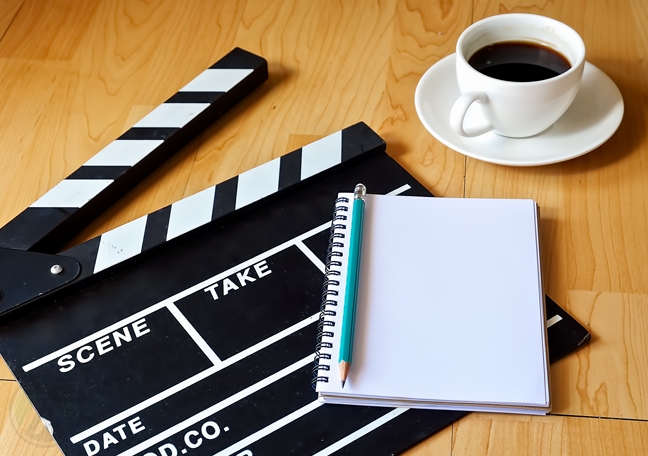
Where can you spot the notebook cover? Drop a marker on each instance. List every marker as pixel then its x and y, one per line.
pixel 447 285
pixel 161 364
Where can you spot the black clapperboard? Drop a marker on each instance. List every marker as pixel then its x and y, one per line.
pixel 192 330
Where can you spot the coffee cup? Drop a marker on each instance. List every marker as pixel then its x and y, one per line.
pixel 517 74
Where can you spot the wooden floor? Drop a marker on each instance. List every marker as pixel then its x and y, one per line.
pixel 76 74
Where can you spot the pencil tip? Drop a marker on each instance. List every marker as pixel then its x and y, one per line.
pixel 342 383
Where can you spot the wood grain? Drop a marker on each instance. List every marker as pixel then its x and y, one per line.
pixel 439 444
pixel 608 376
pixel 54 43
pixel 5 373
pixel 424 32
pixel 21 430
pixel 8 11
pixel 492 434
pixel 75 75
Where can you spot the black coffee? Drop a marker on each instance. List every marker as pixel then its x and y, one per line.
pixel 519 61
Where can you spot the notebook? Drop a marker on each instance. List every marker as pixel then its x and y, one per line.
pixel 450 311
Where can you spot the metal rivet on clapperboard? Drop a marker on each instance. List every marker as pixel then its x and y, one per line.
pixel 56 269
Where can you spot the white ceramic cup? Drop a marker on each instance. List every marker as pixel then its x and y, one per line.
pixel 515 109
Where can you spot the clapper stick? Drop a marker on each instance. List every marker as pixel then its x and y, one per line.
pixel 267 180
pixel 68 207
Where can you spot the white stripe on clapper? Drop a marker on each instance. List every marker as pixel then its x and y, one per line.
pixel 553 320
pixel 171 115
pixel 217 80
pixel 72 193
pixel 124 152
pixel 257 183
pixel 321 155
pixel 120 244
pixel 191 212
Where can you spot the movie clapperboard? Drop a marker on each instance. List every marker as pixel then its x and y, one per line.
pixel 192 330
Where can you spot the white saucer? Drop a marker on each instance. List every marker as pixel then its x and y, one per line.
pixel 592 118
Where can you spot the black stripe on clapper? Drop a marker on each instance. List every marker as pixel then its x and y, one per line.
pixel 225 198
pixel 148 133
pixel 237 58
pixel 358 138
pixel 98 172
pixel 157 225
pixel 290 169
pixel 195 97
pixel 86 254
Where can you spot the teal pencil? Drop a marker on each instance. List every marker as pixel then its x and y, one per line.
pixel 353 272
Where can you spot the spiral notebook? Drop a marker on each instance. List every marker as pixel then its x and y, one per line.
pixel 450 311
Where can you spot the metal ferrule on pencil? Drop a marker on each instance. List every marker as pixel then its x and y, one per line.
pixel 360 192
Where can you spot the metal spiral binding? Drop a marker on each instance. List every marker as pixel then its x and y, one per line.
pixel 329 294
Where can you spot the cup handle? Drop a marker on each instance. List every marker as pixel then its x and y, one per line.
pixel 458 113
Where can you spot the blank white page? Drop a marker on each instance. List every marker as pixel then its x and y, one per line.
pixel 450 304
